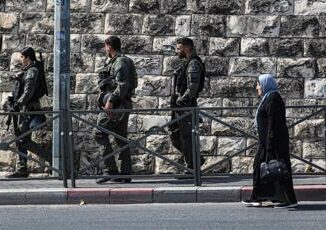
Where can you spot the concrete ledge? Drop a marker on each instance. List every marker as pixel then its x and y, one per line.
pixel 218 194
pixel 310 192
pixel 88 196
pixel 46 196
pixel 302 192
pixel 131 195
pixel 12 196
pixel 175 195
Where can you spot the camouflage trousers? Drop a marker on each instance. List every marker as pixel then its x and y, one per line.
pixel 119 125
pixel 27 122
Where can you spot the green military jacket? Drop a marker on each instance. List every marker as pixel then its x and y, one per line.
pixel 120 82
pixel 192 77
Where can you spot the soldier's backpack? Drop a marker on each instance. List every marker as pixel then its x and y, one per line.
pixel 134 77
pixel 42 88
pixel 203 75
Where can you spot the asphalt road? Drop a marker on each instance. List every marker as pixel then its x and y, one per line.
pixel 162 216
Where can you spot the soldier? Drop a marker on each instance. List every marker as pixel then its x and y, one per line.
pixel 29 88
pixel 117 82
pixel 189 81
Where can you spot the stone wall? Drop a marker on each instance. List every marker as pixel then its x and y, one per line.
pixel 238 40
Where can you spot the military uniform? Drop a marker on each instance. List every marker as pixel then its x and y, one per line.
pixel 187 85
pixel 25 99
pixel 116 81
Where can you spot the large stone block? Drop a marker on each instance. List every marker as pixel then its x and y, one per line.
pixel 75 5
pixel 253 26
pixel 153 86
pixel 300 112
pixel 165 167
pixel 283 47
pixel 217 66
pixel 313 149
pixel 173 6
pixel 221 130
pixel 299 26
pixel 291 88
pixel 208 25
pixel 224 46
pixel 123 24
pixel 229 145
pixel 40 42
pixel 110 6
pixel 147 65
pixel 242 164
pixel 297 68
pixel 82 62
pixel 238 102
pixel 182 25
pixel 159 144
pixel 143 164
pixel 225 7
pixel 86 83
pixel 7 81
pixel 7 161
pixel 315 48
pixel 309 129
pixel 165 45
pixel 144 6
pixel 254 47
pixel 309 7
pixel 75 43
pixel 86 23
pixel 33 22
pixel 25 5
pixel 136 44
pixel 13 42
pixel 144 102
pixel 233 87
pixel 315 88
pixel 296 147
pixel 322 67
pixel 196 6
pixel 9 22
pixel 93 43
pixel 158 25
pixel 322 24
pixel 78 101
pixel 284 7
pixel 208 145
pixel 170 64
pixel 241 66
pixel 224 167
pixel 149 122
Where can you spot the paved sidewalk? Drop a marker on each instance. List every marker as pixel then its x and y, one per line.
pixel 217 189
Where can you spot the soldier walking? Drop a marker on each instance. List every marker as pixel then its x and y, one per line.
pixel 189 81
pixel 117 82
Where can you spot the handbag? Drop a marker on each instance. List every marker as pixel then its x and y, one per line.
pixel 273 170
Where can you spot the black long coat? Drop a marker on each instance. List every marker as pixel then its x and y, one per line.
pixel 273 142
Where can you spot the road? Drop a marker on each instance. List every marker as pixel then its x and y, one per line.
pixel 162 216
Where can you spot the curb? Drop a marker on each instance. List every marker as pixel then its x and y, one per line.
pixel 144 195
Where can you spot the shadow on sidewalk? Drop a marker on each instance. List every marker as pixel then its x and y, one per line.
pixel 310 207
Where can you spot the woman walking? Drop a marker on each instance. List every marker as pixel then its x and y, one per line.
pixel 273 144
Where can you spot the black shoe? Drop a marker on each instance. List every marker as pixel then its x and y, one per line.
pixel 107 177
pixel 121 180
pixel 19 174
pixel 286 205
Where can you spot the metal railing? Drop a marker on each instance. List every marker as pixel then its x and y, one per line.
pixel 196 114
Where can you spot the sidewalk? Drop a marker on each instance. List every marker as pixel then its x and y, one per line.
pixel 218 189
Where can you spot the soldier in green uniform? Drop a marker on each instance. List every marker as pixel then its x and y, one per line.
pixel 29 88
pixel 189 82
pixel 117 82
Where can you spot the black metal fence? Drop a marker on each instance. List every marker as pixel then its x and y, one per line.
pixel 67 147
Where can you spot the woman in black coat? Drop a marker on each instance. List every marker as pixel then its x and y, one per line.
pixel 273 141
